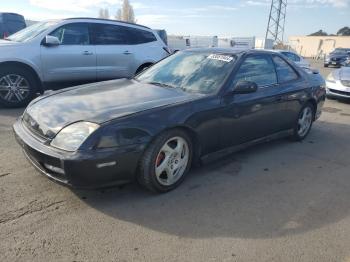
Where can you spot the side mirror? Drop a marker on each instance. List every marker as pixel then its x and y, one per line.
pixel 51 41
pixel 245 87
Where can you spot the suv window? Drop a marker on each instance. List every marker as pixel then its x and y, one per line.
pixel 108 34
pixel 291 56
pixel 285 72
pixel 259 69
pixel 73 34
pixel 138 36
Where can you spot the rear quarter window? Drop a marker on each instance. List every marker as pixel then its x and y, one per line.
pixel 138 36
pixel 285 72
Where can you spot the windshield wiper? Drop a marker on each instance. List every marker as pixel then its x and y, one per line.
pixel 160 84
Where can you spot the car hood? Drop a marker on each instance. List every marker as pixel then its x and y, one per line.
pixel 344 73
pixel 8 43
pixel 98 103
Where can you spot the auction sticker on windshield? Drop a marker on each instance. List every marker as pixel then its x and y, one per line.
pixel 225 58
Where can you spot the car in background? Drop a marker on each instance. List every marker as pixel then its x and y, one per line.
pixel 297 59
pixel 338 57
pixel 191 107
pixel 10 23
pixel 72 51
pixel 338 82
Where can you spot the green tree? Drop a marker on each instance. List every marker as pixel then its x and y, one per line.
pixel 345 31
pixel 319 33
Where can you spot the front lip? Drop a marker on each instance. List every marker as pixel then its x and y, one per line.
pixel 82 169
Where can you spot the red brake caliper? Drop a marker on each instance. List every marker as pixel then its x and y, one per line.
pixel 160 158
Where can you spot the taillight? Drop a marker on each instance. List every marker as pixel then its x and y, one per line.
pixel 6 34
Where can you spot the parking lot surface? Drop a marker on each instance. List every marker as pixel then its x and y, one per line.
pixel 280 201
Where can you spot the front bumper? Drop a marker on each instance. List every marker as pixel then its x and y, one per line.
pixel 81 169
pixel 337 89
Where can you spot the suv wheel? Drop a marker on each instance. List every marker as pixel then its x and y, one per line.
pixel 17 87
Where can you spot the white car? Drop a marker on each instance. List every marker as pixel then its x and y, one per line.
pixel 297 59
pixel 338 82
pixel 72 51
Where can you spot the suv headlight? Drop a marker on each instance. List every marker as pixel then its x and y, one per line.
pixel 71 137
pixel 330 78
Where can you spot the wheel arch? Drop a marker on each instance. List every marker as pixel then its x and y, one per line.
pixel 313 102
pixel 196 146
pixel 27 68
pixel 143 65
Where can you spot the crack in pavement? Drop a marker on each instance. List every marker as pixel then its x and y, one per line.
pixel 5 174
pixel 31 208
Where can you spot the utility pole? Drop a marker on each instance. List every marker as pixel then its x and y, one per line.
pixel 277 20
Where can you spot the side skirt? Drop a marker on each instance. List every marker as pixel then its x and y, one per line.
pixel 221 153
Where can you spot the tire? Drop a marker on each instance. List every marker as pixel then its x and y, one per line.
pixel 325 65
pixel 308 114
pixel 17 87
pixel 176 158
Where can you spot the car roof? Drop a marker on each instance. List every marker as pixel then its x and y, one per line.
pixel 106 20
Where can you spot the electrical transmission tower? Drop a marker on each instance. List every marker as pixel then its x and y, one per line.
pixel 277 19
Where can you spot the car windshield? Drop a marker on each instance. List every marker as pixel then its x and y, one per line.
pixel 31 31
pixel 341 51
pixel 190 71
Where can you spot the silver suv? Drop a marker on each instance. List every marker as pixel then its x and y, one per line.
pixel 73 50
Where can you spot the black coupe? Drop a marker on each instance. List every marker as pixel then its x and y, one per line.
pixel 191 107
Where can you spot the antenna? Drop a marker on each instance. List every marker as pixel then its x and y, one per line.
pixel 277 20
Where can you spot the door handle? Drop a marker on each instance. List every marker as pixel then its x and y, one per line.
pixel 127 53
pixel 87 53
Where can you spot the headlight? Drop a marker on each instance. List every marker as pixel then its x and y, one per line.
pixel 330 78
pixel 71 137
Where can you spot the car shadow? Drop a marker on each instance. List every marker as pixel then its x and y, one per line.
pixel 267 191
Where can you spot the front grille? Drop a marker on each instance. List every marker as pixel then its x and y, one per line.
pixel 340 92
pixel 39 160
pixel 345 83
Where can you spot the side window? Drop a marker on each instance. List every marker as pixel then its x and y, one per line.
pixel 138 36
pixel 259 69
pixel 73 34
pixel 291 56
pixel 285 72
pixel 108 34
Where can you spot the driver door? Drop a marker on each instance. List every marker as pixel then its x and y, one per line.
pixel 254 115
pixel 74 59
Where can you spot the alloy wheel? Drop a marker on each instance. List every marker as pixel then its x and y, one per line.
pixel 305 121
pixel 14 88
pixel 171 161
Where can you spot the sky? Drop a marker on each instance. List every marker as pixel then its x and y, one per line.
pixel 225 18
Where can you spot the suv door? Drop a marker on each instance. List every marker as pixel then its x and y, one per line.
pixel 74 59
pixel 255 115
pixel 114 57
